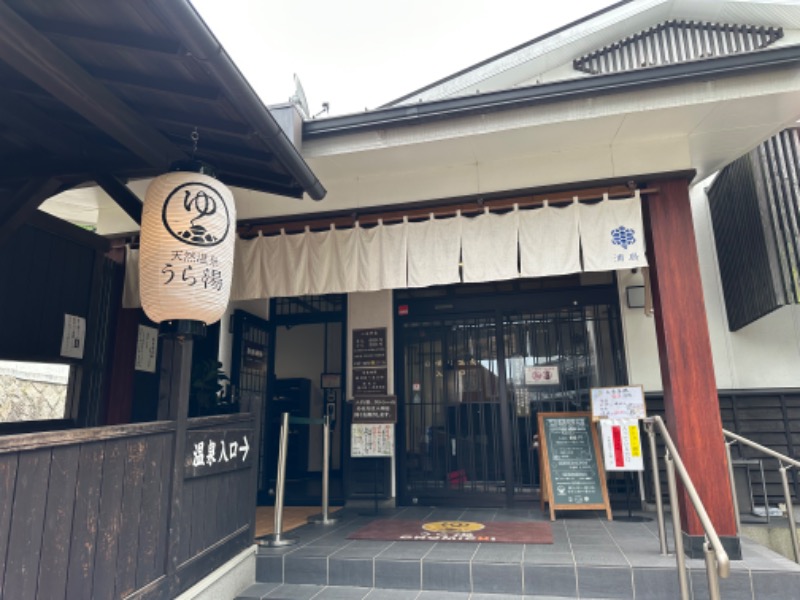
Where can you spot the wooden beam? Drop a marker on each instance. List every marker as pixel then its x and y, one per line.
pixel 23 204
pixel 37 58
pixel 109 37
pixel 38 126
pixel 687 365
pixel 122 195
pixel 172 86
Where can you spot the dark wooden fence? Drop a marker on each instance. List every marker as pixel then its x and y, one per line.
pixel 768 417
pixel 86 513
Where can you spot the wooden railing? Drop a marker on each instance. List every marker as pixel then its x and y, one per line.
pixel 86 513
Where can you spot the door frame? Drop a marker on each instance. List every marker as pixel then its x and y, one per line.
pixel 496 306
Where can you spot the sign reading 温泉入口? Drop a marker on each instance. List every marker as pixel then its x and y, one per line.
pixel 210 451
pixel 573 475
pixel 375 409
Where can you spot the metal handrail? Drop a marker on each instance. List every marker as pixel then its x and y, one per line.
pixel 717 560
pixel 787 495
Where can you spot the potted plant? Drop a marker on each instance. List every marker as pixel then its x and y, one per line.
pixel 209 389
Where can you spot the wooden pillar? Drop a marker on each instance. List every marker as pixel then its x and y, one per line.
pixel 687 367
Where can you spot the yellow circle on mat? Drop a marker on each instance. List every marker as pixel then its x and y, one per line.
pixel 453 526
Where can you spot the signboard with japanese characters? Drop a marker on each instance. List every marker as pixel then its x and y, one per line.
pixel 372 440
pixel 370 382
pixel 369 347
pixel 369 362
pixel 623 402
pixel 254 357
pixel 536 375
pixel 146 349
pixel 72 339
pixel 375 409
pixel 622 446
pixel 211 451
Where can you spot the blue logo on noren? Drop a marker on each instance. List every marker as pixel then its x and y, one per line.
pixel 622 236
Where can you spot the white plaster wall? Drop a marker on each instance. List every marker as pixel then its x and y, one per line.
pixel 764 354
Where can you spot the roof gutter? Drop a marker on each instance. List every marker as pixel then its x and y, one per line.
pixel 196 37
pixel 560 91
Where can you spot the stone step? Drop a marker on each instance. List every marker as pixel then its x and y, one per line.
pixel 589 558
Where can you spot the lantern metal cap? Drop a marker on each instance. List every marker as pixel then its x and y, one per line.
pixel 183 328
pixel 193 166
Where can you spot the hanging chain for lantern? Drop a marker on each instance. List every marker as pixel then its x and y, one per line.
pixel 195 138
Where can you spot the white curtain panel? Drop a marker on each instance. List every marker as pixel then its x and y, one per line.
pixel 612 235
pixel 434 251
pixel 382 252
pixel 130 288
pixel 489 247
pixel 247 281
pixel 549 241
pixel 332 261
pixel 286 266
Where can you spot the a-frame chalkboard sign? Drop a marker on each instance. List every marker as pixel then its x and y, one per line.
pixel 571 464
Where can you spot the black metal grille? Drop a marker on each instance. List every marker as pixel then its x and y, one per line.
pixel 676 42
pixel 755 208
pixel 309 305
pixel 466 392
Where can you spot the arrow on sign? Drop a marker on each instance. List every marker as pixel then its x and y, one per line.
pixel 245 449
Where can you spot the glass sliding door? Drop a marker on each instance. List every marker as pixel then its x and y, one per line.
pixel 472 386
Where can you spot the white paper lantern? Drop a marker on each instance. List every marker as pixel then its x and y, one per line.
pixel 186 248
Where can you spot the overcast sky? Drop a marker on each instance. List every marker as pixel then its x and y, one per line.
pixel 357 54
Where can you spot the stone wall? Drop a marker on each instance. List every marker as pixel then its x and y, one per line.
pixel 24 400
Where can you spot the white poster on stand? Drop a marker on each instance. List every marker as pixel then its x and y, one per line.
pixel 622 445
pixel 372 440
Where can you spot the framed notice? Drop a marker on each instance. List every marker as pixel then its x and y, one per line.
pixel 572 470
pixel 541 375
pixel 624 402
pixel 622 445
pixel 368 440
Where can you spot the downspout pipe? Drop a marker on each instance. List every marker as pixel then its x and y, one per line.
pixel 198 40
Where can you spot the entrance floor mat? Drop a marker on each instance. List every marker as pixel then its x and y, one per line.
pixel 486 532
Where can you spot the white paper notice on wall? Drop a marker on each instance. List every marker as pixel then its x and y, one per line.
pixel 372 440
pixel 73 337
pixel 622 446
pixel 622 402
pixel 146 349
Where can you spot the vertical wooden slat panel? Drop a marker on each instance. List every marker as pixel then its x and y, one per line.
pixel 58 523
pixel 25 536
pixel 84 524
pixel 129 523
pixel 151 493
pixel 163 515
pixel 185 522
pixel 8 479
pixel 105 560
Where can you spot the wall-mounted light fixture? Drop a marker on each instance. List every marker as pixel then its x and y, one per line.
pixel 635 296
